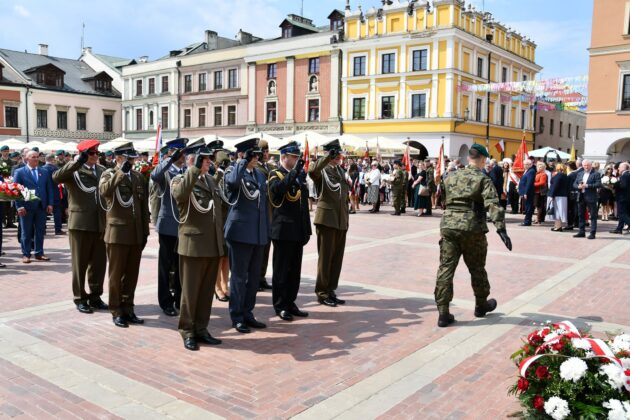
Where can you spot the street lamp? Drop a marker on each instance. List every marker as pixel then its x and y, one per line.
pixel 466 117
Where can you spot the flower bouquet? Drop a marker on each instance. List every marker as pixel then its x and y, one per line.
pixel 144 168
pixel 567 374
pixel 10 191
pixel 5 170
pixel 609 181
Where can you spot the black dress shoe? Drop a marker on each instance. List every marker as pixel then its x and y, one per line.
pixel 591 236
pixel 170 311
pixel 225 298
pixel 285 315
pixel 327 301
pixel 99 304
pixel 133 319
pixel 208 339
pixel 84 308
pixel 296 312
pixel 242 328
pixel 616 232
pixel 337 300
pixel 395 214
pixel 580 235
pixel 191 344
pixel 489 306
pixel 255 324
pixel 121 322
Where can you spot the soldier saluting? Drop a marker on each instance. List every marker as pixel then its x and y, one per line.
pixel 469 193
pixel 290 229
pixel 126 231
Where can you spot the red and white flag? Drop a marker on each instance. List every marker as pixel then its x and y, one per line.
pixel 406 161
pixel 439 166
pixel 158 145
pixel 519 161
pixel 500 146
pixel 307 156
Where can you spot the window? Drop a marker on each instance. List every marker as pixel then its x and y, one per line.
pixel 503 112
pixel 478 109
pixel 164 117
pixel 286 32
pixel 187 118
pixel 625 101
pixel 202 81
pixel 569 131
pixel 479 66
pixel 10 116
pixel 218 116
pixel 152 86
pixel 81 121
pixel 541 125
pixel 358 109
pixel 272 71
pixel 313 65
pixel 551 124
pixel 139 87
pixel 62 120
pixel 103 85
pixel 388 63
pixel 313 110
pixel 42 118
pixel 504 74
pixel 164 84
pixel 188 83
pixel 150 118
pixel 202 117
pixel 418 105
pixel 419 62
pixel 359 66
pixel 218 80
pixel 577 132
pixel 232 81
pixel 231 115
pixel 138 119
pixel 523 118
pixel 524 78
pixel 560 129
pixel 387 107
pixel 108 123
pixel 271 112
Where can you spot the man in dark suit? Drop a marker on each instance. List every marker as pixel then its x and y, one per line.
pixel 167 225
pixel 526 191
pixel 33 213
pixel 246 234
pixel 290 229
pixel 572 212
pixel 587 183
pixel 495 173
pixel 51 167
pixel 622 193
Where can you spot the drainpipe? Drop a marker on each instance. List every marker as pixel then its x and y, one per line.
pixel 178 64
pixel 28 91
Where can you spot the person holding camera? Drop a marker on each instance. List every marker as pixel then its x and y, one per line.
pixel 331 222
pixel 125 193
pixel 290 229
pixel 246 233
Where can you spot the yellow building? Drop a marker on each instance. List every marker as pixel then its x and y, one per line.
pixel 404 66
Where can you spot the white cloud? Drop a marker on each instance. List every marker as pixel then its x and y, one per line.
pixel 21 10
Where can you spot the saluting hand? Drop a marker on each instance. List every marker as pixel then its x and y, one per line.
pixel 83 158
pixel 333 153
pixel 126 167
pixel 249 155
pixel 176 155
pixel 199 161
pixel 505 238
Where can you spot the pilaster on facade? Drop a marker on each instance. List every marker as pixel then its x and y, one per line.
pixel 334 85
pixel 290 90
pixel 251 111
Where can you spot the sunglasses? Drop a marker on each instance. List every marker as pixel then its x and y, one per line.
pixel 92 153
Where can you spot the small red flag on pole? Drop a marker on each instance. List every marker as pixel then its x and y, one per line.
pixel 519 161
pixel 307 156
pixel 439 166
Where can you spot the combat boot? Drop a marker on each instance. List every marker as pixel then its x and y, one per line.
pixel 445 318
pixel 488 306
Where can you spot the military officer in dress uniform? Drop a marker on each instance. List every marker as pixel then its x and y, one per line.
pixel 469 194
pixel 290 229
pixel 265 167
pixel 86 224
pixel 331 222
pixel 246 233
pixel 125 193
pixel 398 189
pixel 200 245
pixel 167 226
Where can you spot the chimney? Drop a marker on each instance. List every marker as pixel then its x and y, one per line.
pixel 212 40
pixel 244 37
pixel 43 49
pixel 143 59
pixel 87 50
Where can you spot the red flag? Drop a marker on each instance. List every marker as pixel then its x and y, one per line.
pixel 307 156
pixel 519 161
pixel 439 166
pixel 406 161
pixel 158 145
pixel 366 155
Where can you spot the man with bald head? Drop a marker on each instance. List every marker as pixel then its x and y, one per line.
pixel 587 184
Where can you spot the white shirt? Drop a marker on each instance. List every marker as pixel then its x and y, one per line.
pixel 585 177
pixel 375 177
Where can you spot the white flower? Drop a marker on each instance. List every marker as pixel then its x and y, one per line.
pixel 625 361
pixel 615 376
pixel 573 369
pixel 581 343
pixel 621 343
pixel 557 408
pixel 613 180
pixel 617 409
pixel 605 179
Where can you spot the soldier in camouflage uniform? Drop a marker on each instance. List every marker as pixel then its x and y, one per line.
pixel 469 193
pixel 398 189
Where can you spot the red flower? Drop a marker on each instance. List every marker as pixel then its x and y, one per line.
pixel 523 384
pixel 539 403
pixel 558 346
pixel 542 372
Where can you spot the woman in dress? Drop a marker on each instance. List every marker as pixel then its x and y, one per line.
pixel 559 195
pixel 607 194
pixel 422 202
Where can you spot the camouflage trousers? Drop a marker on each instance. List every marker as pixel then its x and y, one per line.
pixel 399 200
pixel 474 247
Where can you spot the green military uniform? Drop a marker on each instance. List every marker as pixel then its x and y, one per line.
pixel 331 224
pixel 398 190
pixel 126 233
pixel 86 224
pixel 155 201
pixel 469 193
pixel 200 245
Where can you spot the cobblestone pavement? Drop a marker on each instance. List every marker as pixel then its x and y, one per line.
pixel 379 356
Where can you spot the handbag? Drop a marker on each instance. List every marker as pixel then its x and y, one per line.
pixel 424 191
pixel 551 209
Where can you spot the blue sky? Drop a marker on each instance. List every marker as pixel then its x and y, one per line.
pixel 133 28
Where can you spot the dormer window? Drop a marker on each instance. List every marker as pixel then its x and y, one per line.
pixel 286 32
pixel 47 75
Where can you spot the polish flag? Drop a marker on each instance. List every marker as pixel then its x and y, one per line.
pixel 500 146
pixel 158 145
